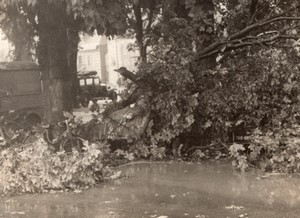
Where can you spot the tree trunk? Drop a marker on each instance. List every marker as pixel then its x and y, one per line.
pixel 73 41
pixel 139 31
pixel 206 36
pixel 52 49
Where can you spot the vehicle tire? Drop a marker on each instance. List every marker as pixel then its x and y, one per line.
pixel 30 139
pixel 113 95
pixel 85 100
pixel 32 120
pixel 72 143
pixel 14 132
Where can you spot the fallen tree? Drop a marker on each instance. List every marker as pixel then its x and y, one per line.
pixel 206 77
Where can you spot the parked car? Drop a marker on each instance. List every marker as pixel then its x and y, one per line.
pixel 91 88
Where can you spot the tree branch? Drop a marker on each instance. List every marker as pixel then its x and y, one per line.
pixel 127 74
pixel 230 45
pixel 248 29
pixel 212 48
pixel 150 19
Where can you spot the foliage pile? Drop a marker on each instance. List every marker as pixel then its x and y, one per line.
pixel 37 168
pixel 42 163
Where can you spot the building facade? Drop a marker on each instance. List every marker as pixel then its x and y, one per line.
pixel 98 53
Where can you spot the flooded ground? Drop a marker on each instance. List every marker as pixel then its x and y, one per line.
pixel 161 190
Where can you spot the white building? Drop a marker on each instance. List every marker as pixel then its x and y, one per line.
pixel 103 55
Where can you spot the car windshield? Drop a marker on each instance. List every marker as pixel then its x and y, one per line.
pixel 89 81
pixel 81 82
pixel 96 81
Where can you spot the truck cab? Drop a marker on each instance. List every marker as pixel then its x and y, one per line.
pixel 91 88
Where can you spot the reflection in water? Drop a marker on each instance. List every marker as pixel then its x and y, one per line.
pixel 168 189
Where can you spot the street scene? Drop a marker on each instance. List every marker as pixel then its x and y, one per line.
pixel 150 108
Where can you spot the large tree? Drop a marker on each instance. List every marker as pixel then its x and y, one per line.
pixel 52 56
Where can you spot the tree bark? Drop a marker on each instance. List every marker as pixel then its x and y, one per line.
pixel 139 30
pixel 52 49
pixel 73 41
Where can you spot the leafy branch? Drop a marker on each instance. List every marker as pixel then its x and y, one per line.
pixel 230 43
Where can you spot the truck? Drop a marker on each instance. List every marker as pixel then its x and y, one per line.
pixel 91 88
pixel 21 96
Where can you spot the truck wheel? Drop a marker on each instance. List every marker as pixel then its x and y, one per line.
pixel 30 139
pixel 114 95
pixel 32 120
pixel 72 143
pixel 85 101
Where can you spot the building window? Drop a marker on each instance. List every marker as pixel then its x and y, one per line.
pixel 81 82
pixel 89 81
pixel 89 60
pixel 79 60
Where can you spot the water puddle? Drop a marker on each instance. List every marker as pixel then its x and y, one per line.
pixel 167 190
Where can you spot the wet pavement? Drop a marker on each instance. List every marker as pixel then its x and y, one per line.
pixel 161 190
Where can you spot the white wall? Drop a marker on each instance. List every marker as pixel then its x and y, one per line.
pixel 119 56
pixel 89 60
